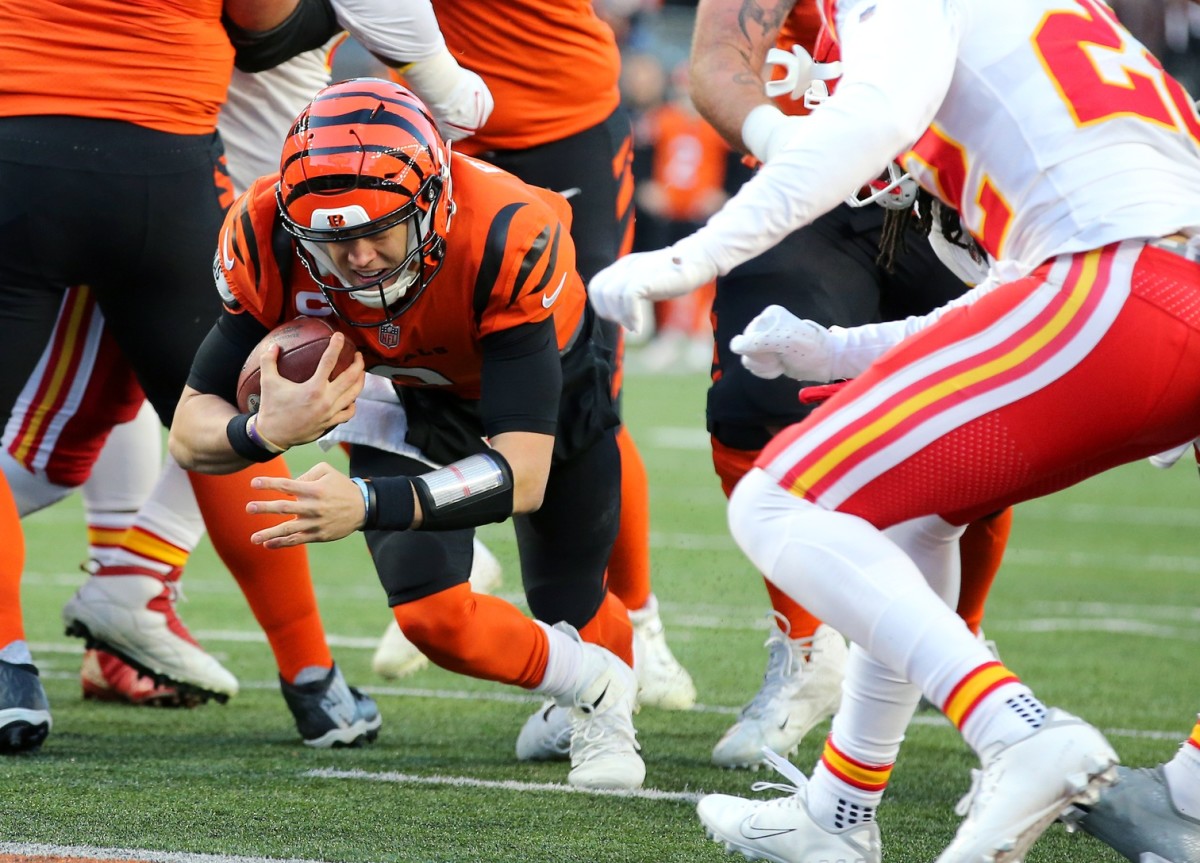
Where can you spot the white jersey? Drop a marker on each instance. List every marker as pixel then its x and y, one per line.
pixel 1059 133
pixel 260 109
pixel 1045 123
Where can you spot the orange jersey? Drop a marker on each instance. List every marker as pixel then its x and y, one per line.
pixel 552 66
pixel 509 261
pixel 689 160
pixel 162 64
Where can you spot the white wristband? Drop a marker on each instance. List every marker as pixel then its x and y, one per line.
pixel 758 127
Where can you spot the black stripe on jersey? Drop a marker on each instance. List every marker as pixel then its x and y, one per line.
pixel 535 253
pixel 247 231
pixel 551 265
pixel 493 257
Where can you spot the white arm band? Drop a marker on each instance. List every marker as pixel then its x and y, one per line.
pixel 853 349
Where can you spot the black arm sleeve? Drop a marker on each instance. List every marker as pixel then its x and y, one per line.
pixel 219 360
pixel 522 380
pixel 311 24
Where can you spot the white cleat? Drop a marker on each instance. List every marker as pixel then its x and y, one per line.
pixel 801 687
pixel 546 736
pixel 396 657
pixel 130 612
pixel 782 830
pixel 662 681
pixel 604 747
pixel 1022 788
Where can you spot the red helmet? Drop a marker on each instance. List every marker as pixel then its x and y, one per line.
pixel 363 157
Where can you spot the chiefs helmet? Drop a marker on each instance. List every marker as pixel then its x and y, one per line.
pixel 363 157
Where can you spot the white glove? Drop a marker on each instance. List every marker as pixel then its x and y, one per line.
pixel 617 291
pixel 458 98
pixel 779 343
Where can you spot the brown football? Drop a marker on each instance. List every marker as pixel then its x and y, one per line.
pixel 301 343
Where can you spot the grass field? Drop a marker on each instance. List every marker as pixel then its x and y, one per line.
pixel 1096 608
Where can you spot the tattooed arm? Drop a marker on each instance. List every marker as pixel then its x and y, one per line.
pixel 729 46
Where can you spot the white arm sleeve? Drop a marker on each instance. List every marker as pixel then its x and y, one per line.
pixel 898 65
pixel 404 31
pixel 853 349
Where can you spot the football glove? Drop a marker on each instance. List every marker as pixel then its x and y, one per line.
pixel 779 343
pixel 458 98
pixel 617 292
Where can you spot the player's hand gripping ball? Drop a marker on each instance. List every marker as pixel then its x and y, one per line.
pixel 301 343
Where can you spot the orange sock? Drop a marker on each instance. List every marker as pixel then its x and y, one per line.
pixel 277 583
pixel 476 635
pixel 629 563
pixel 981 548
pixel 610 627
pixel 12 562
pixel 731 465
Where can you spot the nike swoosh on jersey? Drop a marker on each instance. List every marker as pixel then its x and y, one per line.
pixel 548 300
pixel 226 252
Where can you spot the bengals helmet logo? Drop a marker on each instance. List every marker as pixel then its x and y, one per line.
pixel 337 220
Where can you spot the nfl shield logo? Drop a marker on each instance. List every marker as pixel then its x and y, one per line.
pixel 389 335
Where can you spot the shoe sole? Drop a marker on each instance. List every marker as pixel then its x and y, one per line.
pixel 732 847
pixel 354 737
pixel 23 735
pixel 193 694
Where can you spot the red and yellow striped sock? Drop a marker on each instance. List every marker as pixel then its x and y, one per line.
pixel 845 790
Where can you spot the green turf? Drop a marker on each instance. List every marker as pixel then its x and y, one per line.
pixel 1095 609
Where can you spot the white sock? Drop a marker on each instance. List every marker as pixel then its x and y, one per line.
pixel 835 804
pixel 17 653
pixel 31 491
pixel 564 664
pixel 167 527
pixel 1183 776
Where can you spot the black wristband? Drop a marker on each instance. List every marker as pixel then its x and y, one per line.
pixel 241 442
pixel 394 507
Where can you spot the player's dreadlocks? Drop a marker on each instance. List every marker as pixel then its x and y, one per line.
pixel 896 223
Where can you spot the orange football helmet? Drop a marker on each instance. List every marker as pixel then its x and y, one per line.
pixel 363 157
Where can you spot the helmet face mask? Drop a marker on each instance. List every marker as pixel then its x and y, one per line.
pixel 362 159
pixel 893 190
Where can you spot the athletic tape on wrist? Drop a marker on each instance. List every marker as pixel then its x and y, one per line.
pixel 467 493
pixel 370 508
